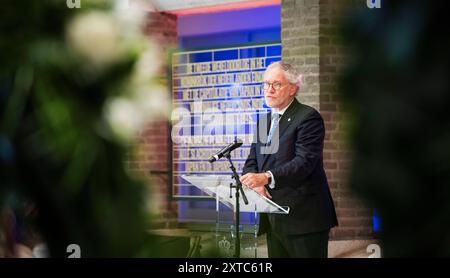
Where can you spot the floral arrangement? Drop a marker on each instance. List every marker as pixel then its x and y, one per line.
pixel 75 87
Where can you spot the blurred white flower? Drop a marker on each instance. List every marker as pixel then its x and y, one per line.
pixel 101 39
pixel 127 115
pixel 95 37
pixel 130 18
pixel 124 117
pixel 153 101
pixel 148 64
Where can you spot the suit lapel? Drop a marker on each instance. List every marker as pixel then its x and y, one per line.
pixel 288 117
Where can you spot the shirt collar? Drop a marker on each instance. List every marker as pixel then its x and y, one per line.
pixel 281 112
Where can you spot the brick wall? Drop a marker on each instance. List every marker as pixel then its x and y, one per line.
pixel 162 28
pixel 311 42
pixel 299 33
pixel 150 159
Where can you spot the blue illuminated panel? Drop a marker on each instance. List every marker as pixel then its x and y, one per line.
pixel 217 96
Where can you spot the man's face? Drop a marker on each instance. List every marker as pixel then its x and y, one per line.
pixel 279 97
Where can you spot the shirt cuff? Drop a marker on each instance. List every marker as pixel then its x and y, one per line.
pixel 272 184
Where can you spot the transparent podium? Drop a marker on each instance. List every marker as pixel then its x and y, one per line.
pixel 222 188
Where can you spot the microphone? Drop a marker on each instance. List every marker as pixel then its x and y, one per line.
pixel 236 144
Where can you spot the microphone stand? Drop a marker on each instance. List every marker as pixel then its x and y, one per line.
pixel 238 186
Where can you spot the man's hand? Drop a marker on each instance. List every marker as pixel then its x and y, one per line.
pixel 257 182
pixel 254 180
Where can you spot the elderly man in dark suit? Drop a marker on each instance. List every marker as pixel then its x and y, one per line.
pixel 287 167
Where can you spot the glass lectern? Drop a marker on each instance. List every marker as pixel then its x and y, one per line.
pixel 222 188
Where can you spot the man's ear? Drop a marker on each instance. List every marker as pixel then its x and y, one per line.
pixel 293 90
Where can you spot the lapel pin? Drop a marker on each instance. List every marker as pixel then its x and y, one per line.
pixel 289 119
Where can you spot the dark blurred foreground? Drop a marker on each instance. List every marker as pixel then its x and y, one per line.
pixel 397 90
pixel 62 178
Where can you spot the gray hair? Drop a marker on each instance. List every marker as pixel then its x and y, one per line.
pixel 291 73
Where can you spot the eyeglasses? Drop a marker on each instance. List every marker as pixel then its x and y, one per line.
pixel 275 85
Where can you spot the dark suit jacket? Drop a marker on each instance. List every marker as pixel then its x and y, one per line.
pixel 297 166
